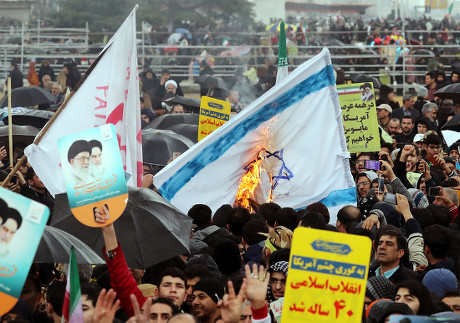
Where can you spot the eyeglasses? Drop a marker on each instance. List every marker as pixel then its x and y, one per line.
pixel 362 183
pixel 274 281
pixel 433 147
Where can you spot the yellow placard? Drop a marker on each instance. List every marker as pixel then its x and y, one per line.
pixel 213 114
pixel 327 277
pixel 359 117
pixel 433 4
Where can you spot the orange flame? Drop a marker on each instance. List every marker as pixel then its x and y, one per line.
pixel 248 184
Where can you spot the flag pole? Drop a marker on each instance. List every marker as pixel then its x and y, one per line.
pixel 10 124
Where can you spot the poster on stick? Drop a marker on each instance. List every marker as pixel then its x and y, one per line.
pixel 327 277
pixel 359 116
pixel 93 173
pixel 213 114
pixel 22 223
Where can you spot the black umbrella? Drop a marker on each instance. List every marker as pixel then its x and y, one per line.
pixel 159 146
pixel 35 118
pixel 187 130
pixel 167 120
pixel 150 229
pixel 453 124
pixel 423 52
pixel 24 134
pixel 451 91
pixel 362 78
pixel 211 80
pixel 190 104
pixel 55 246
pixel 28 96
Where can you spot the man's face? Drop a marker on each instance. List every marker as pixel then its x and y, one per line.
pixel 46 79
pixel 393 127
pixel 453 302
pixel 246 314
pixel 81 161
pixel 178 109
pixel 159 313
pixel 203 306
pixel 37 183
pixel 145 117
pixel 454 154
pixel 7 230
pixel 411 162
pixel 55 90
pixel 159 112
pixel 96 156
pixel 407 126
pixel 190 283
pixel 404 296
pixel 165 76
pixel 440 78
pixel 432 149
pixel 173 288
pixel 88 309
pixel 170 88
pixel 454 78
pixel 428 80
pixel 432 114
pixel 382 113
pixel 360 163
pixel 277 284
pixel 409 104
pixel 387 251
pixel 451 167
pixel 364 185
pixel 422 128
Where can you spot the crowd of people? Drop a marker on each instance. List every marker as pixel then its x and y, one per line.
pixel 239 259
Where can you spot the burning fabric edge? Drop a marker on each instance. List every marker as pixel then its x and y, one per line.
pixel 307 150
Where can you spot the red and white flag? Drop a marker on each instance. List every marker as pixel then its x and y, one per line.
pixel 72 309
pixel 108 93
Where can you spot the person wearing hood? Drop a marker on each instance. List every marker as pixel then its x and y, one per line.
pixel 32 76
pixel 441 79
pixel 46 69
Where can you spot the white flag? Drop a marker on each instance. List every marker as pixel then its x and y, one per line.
pixel 109 94
pixel 295 129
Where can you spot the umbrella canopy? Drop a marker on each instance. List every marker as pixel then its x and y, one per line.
pixel 423 52
pixel 174 38
pixel 187 130
pixel 211 80
pixel 334 42
pixel 158 146
pixel 24 134
pixel 453 124
pixel 183 31
pixel 362 78
pixel 35 118
pixel 150 230
pixel 28 96
pixel 167 120
pixel 55 247
pixel 190 104
pixel 451 91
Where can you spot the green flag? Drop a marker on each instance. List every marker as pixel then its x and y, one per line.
pixel 282 55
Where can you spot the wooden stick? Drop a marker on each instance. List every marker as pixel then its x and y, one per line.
pixel 10 124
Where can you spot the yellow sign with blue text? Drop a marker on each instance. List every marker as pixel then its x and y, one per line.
pixel 327 277
pixel 213 114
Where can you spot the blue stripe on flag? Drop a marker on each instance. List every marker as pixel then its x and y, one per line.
pixel 316 82
pixel 338 197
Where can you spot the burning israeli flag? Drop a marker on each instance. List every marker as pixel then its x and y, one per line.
pixel 288 147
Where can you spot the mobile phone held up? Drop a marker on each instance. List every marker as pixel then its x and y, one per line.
pixel 434 191
pixel 389 198
pixel 372 164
